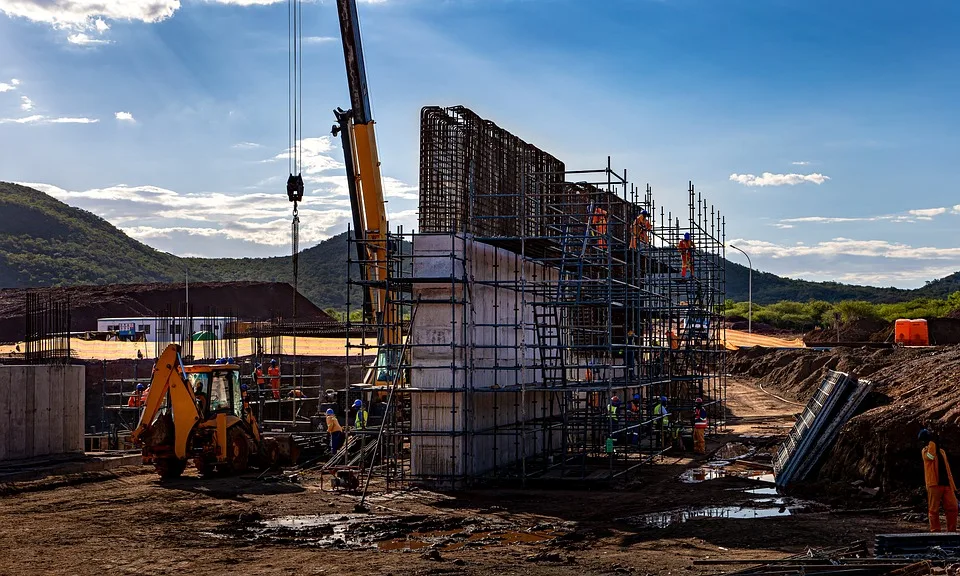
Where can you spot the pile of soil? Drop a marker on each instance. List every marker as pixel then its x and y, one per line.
pixel 246 300
pixel 862 330
pixel 912 386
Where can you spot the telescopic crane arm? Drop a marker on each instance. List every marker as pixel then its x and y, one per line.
pixel 356 128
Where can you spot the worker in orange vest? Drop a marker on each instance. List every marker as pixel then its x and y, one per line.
pixel 699 428
pixel 640 230
pixel 261 382
pixel 138 398
pixel 686 255
pixel 274 373
pixel 598 226
pixel 939 481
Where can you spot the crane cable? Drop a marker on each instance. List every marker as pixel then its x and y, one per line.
pixel 295 148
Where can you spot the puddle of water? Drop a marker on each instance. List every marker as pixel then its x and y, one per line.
pixel 761 491
pixel 665 519
pixel 697 475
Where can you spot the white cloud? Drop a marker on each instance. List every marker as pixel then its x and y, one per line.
pixel 71 120
pixel 848 247
pixel 801 163
pixel 84 14
pixel 769 179
pixel 124 117
pixel 928 213
pixel 100 25
pixel 26 120
pixel 8 86
pixel 319 39
pixel 313 156
pixel 26 104
pixel 84 39
pixel 247 146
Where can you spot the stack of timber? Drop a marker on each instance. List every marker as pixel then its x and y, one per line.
pixel 816 430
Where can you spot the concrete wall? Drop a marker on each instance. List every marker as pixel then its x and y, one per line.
pixel 454 342
pixel 41 410
pixel 473 337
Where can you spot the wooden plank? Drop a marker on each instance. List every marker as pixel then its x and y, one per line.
pixel 57 392
pixel 38 378
pixel 73 392
pixel 4 410
pixel 17 440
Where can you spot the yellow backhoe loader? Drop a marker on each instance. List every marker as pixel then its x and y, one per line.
pixel 201 413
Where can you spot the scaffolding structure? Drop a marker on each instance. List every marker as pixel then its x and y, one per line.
pixel 540 329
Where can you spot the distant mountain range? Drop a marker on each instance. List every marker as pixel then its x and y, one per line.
pixel 44 242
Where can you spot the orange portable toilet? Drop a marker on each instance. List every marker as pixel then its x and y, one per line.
pixel 919 334
pixel 902 332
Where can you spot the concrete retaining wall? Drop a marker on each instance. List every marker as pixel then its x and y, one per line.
pixel 41 410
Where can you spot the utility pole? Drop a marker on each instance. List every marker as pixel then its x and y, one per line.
pixel 749 291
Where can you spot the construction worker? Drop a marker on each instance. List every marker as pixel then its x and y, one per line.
pixel 598 226
pixel 258 373
pixel 661 413
pixel 136 399
pixel 360 421
pixel 334 430
pixel 686 255
pixel 939 480
pixel 640 231
pixel 613 413
pixel 274 373
pixel 699 427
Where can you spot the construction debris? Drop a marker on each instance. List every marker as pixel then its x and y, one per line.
pixel 852 559
pixel 934 546
pixel 815 432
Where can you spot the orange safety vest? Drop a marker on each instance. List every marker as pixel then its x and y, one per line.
pixel 641 229
pixel 274 373
pixel 599 221
pixel 686 248
pixel 260 380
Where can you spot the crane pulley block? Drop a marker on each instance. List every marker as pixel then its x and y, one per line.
pixel 295 188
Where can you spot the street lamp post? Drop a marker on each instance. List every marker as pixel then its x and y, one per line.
pixel 749 290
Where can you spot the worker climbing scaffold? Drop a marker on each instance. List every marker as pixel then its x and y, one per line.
pixel 598 226
pixel 686 248
pixel 640 231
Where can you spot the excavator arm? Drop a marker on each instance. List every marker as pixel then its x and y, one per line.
pixel 169 381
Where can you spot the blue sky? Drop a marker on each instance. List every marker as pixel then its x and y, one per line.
pixel 827 131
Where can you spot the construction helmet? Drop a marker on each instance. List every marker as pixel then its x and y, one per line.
pixel 230 360
pixel 663 399
pixel 139 387
pixel 699 400
pixel 924 436
pixel 357 403
pixel 644 213
pixel 686 235
pixel 329 411
pixel 273 361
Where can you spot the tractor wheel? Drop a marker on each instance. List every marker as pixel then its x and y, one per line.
pixel 170 468
pixel 238 450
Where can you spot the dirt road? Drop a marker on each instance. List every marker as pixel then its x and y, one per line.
pixel 130 523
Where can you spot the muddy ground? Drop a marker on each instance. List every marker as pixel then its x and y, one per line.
pixel 679 511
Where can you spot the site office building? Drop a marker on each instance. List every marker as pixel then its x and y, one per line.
pixel 162 329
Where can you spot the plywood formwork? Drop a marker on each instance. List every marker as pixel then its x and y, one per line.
pixel 41 410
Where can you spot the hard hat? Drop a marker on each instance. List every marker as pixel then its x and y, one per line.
pixel 230 360
pixel 259 365
pixel 636 396
pixel 615 398
pixel 272 361
pixel 686 235
pixel 329 411
pixel 924 436
pixel 699 400
pixel 663 399
pixel 139 387
pixel 243 387
pixel 357 403
pixel 644 213
pixel 218 361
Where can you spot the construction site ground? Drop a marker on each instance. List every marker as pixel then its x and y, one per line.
pixel 126 521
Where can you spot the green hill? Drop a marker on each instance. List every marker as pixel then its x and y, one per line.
pixel 44 242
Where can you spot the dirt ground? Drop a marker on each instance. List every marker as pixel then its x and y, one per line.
pixel 128 522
